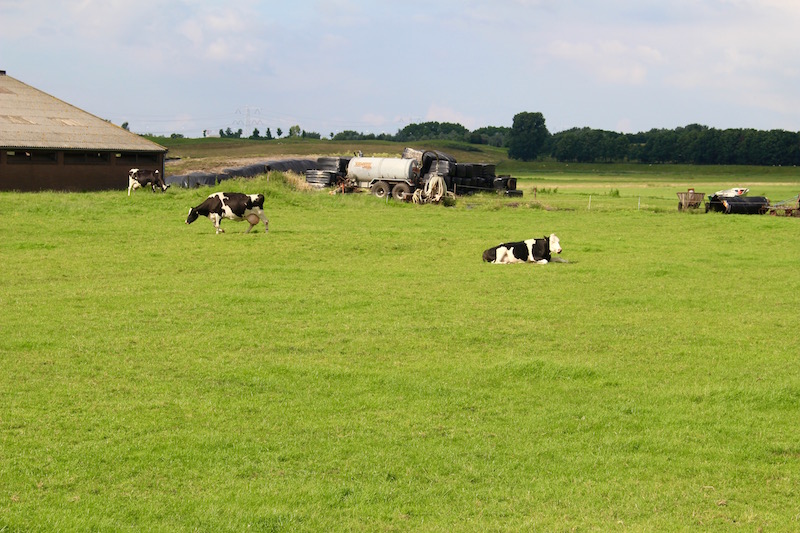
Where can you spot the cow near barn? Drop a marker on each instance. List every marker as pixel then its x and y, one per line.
pixel 231 205
pixel 537 251
pixel 139 177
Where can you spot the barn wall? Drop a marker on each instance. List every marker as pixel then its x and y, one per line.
pixel 73 170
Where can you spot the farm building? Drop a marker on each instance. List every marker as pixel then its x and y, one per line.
pixel 46 143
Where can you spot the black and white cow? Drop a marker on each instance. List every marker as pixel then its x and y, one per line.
pixel 232 205
pixel 139 177
pixel 530 251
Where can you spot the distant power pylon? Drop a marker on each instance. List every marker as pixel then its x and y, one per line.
pixel 249 121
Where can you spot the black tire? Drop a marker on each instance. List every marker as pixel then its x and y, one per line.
pixel 381 189
pixel 318 178
pixel 400 191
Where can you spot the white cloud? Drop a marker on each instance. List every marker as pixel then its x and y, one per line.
pixel 373 120
pixel 192 30
pixel 624 125
pixel 609 61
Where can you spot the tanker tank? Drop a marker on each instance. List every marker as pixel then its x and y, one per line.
pixel 368 170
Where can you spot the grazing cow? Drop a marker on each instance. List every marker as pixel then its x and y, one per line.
pixel 139 177
pixel 232 205
pixel 530 251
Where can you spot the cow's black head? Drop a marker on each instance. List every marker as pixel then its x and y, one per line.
pixel 259 201
pixel 193 214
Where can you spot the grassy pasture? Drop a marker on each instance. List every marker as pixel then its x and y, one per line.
pixel 359 367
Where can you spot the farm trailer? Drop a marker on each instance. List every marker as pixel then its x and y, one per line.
pixel 736 201
pixel 401 177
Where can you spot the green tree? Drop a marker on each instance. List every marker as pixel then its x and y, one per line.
pixel 491 135
pixel 279 132
pixel 294 131
pixel 527 137
pixel 348 135
pixel 432 130
pixel 230 134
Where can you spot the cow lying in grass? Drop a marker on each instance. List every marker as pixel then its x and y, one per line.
pixel 231 205
pixel 530 251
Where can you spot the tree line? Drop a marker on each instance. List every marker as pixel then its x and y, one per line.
pixel 694 144
pixel 490 135
pixel 426 131
pixel 294 131
pixel 528 139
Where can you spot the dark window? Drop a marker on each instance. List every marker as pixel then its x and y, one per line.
pixel 126 159
pixel 74 158
pixel 86 158
pixel 97 157
pixel 148 158
pixel 31 156
pixel 18 156
pixel 44 157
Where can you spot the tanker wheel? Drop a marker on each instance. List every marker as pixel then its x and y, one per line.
pixel 381 189
pixel 400 191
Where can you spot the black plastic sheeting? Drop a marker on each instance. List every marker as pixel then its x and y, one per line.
pixel 198 179
pixel 430 157
pixel 298 166
pixel 333 164
pixel 741 205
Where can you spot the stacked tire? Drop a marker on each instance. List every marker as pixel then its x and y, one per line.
pixel 506 183
pixel 471 177
pixel 320 178
pixel 333 164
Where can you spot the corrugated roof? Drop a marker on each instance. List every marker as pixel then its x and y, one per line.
pixel 30 118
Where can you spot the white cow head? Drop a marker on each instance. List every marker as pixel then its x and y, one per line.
pixel 555 244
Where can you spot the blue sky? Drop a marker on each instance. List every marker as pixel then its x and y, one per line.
pixel 183 66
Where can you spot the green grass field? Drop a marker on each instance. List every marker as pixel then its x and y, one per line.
pixel 358 368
